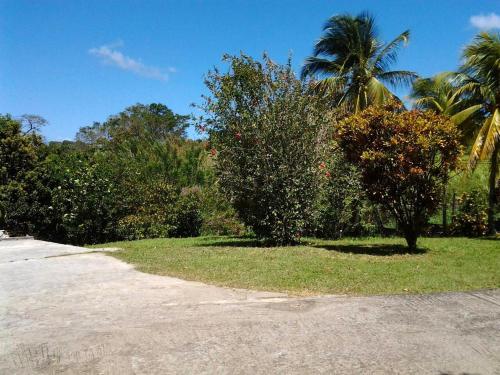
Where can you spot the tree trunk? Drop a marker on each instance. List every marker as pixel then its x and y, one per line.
pixel 410 233
pixel 411 240
pixel 379 222
pixel 453 207
pixel 492 192
pixel 445 213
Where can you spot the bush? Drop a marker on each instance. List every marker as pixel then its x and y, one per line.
pixel 84 201
pixel 151 211
pixel 188 219
pixel 471 218
pixel 403 158
pixel 223 223
pixel 219 217
pixel 266 131
pixel 340 201
pixel 137 227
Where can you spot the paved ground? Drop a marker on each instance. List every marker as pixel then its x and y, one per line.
pixel 92 314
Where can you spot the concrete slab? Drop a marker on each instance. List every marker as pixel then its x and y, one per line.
pixel 15 249
pixel 90 313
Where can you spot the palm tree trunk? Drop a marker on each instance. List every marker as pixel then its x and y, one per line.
pixel 492 192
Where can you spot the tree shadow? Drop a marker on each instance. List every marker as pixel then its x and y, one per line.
pixel 237 242
pixel 488 238
pixel 372 249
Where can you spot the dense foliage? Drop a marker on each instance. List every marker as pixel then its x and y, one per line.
pixel 267 132
pixel 341 203
pixel 133 176
pixel 403 157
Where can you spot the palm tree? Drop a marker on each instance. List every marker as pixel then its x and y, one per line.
pixel 442 94
pixel 481 80
pixel 354 64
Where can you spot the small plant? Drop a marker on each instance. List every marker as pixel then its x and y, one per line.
pixel 471 218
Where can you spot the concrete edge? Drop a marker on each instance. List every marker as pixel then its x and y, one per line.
pixel 17 238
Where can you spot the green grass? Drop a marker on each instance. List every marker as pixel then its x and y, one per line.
pixel 349 266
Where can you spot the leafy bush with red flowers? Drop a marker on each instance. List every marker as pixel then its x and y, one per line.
pixel 267 130
pixel 403 158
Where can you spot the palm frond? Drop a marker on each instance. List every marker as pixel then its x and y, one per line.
pixel 389 52
pixel 314 65
pixel 477 147
pixel 492 137
pixel 398 77
pixel 378 93
pixel 462 116
pixel 329 86
pixel 429 102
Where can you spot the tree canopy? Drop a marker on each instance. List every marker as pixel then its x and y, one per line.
pixel 352 63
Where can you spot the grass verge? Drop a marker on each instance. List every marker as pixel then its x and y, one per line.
pixel 349 266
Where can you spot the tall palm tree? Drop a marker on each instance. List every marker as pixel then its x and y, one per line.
pixel 481 80
pixel 442 94
pixel 354 64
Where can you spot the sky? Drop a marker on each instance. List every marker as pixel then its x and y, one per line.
pixel 79 61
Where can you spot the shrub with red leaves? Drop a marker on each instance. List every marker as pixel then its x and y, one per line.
pixel 403 158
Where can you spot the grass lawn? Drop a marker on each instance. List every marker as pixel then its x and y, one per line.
pixel 349 266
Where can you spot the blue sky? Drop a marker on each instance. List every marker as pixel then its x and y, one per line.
pixel 76 62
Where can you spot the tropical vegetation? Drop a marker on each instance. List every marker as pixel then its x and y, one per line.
pixel 480 75
pixel 330 153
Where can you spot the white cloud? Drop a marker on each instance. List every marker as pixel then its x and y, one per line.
pixel 111 56
pixel 486 21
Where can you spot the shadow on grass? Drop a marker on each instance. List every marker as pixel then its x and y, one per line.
pixel 488 238
pixel 377 249
pixel 237 242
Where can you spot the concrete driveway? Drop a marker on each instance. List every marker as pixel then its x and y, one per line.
pixel 65 310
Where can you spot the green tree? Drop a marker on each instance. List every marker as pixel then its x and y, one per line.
pixel 442 94
pixel 354 64
pixel 153 121
pixel 481 79
pixel 32 123
pixel 266 130
pixel 402 158
pixel 20 153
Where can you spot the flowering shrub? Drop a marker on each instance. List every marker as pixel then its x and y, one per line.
pixel 402 157
pixel 265 129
